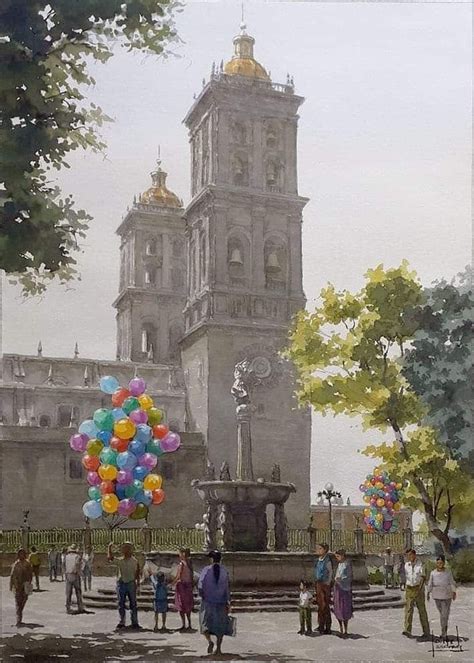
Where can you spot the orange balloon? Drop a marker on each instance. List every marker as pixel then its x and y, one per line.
pixel 160 431
pixel 91 463
pixel 124 429
pixel 107 487
pixel 158 496
pixel 152 482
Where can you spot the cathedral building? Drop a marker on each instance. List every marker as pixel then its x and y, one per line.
pixel 201 288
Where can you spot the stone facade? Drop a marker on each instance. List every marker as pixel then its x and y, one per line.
pixel 200 289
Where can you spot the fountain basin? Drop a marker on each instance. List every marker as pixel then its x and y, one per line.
pixel 243 492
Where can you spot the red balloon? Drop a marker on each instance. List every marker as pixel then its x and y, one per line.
pixel 107 487
pixel 160 431
pixel 118 445
pixel 158 496
pixel 119 396
pixel 91 463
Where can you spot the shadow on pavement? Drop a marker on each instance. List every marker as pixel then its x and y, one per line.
pixel 98 647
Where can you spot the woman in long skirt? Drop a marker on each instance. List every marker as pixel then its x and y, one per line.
pixel 342 602
pixel 183 598
pixel 214 590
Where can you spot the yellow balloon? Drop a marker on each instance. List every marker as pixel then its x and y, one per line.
pixel 379 485
pixel 152 482
pixel 110 503
pixel 108 472
pixel 396 506
pixel 366 498
pixel 124 429
pixel 366 512
pixel 377 471
pixel 398 486
pixel 146 402
pixel 380 502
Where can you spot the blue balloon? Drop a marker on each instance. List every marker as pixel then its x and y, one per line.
pixel 137 447
pixel 147 497
pixel 126 460
pixel 143 433
pixel 118 413
pixel 108 384
pixel 140 472
pixel 92 509
pixel 104 436
pixel 89 428
pixel 120 491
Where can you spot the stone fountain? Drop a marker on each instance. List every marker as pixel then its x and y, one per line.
pixel 239 507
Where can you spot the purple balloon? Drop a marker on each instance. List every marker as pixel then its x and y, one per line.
pixel 93 479
pixel 78 441
pixel 170 442
pixel 124 477
pixel 137 386
pixel 126 507
pixel 148 460
pixel 138 416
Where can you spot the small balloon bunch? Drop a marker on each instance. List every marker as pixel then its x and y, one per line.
pixel 120 448
pixel 382 496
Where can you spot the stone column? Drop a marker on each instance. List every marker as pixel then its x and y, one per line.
pixel 359 541
pixel 210 519
pixel 244 444
pixel 262 529
pixel 281 529
pixel 227 527
pixel 146 533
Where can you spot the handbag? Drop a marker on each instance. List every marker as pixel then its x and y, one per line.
pixel 231 626
pixel 28 588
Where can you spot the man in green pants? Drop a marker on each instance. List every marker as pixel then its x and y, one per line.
pixel 415 594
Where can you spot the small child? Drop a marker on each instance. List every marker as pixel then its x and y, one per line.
pixel 160 601
pixel 304 606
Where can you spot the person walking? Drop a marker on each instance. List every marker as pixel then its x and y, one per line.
pixel 160 599
pixel 304 608
pixel 388 565
pixel 52 564
pixel 20 583
pixel 35 561
pixel 401 576
pixel 128 581
pixel 72 572
pixel 184 600
pixel 323 575
pixel 214 589
pixel 343 591
pixel 415 594
pixel 442 587
pixel 87 565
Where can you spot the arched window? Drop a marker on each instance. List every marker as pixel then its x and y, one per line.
pixel 68 415
pixel 273 175
pixel 275 263
pixel 271 136
pixel 149 338
pixel 150 276
pixel 238 259
pixel 44 421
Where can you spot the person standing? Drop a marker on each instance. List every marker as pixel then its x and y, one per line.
pixel 128 580
pixel 35 562
pixel 52 564
pixel 214 589
pixel 401 577
pixel 388 564
pixel 72 572
pixel 160 599
pixel 415 594
pixel 343 591
pixel 442 587
pixel 87 565
pixel 304 608
pixel 184 600
pixel 323 575
pixel 20 583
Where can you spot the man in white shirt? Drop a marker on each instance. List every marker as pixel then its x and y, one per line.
pixel 72 569
pixel 415 594
pixel 442 587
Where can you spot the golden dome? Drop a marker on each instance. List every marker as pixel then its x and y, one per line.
pixel 243 63
pixel 158 193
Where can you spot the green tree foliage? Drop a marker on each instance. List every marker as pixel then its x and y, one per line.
pixel 439 363
pixel 45 49
pixel 349 355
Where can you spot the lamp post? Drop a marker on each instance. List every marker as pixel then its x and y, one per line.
pixel 328 494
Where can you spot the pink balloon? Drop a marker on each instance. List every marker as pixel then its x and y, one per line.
pixel 124 477
pixel 93 479
pixel 78 441
pixel 138 417
pixel 126 507
pixel 148 460
pixel 170 442
pixel 137 386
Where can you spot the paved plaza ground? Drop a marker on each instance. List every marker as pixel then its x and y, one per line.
pixel 52 635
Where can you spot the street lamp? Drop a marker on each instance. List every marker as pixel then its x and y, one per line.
pixel 329 494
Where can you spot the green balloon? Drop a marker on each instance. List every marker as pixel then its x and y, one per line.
pixel 141 511
pixel 108 457
pixel 94 493
pixel 94 447
pixel 133 488
pixel 104 419
pixel 153 447
pixel 131 403
pixel 155 416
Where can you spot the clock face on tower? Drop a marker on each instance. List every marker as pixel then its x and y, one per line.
pixel 265 363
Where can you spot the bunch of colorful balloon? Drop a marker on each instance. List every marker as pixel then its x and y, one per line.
pixel 120 448
pixel 382 496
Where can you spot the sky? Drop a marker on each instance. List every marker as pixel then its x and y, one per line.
pixel 384 156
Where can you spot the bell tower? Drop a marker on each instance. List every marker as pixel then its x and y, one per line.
pixel 243 228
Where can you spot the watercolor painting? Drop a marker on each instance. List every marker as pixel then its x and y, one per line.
pixel 237 330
